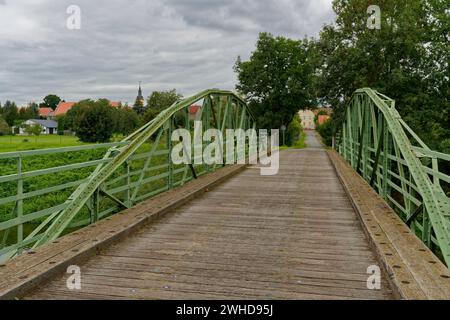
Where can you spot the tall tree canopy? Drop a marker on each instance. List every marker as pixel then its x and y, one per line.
pixel 407 59
pixel 277 80
pixel 158 101
pixel 92 121
pixel 10 112
pixel 29 112
pixel 51 101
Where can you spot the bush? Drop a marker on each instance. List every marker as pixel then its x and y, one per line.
pixel 4 127
pixel 293 132
pixel 326 132
pixel 126 121
pixel 93 121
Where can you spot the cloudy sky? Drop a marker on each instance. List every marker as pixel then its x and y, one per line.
pixel 189 45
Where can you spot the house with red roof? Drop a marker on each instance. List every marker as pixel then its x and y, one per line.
pixel 64 107
pixel 45 112
pixel 322 119
pixel 193 111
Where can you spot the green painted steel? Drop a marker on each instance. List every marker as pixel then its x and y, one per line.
pixel 387 153
pixel 130 171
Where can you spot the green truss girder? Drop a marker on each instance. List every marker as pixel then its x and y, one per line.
pixel 61 220
pixel 390 133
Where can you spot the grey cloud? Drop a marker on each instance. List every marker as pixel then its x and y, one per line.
pixel 187 45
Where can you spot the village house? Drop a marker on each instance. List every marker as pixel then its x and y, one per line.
pixel 47 126
pixel 45 112
pixel 63 108
pixel 311 118
pixel 194 111
pixel 307 118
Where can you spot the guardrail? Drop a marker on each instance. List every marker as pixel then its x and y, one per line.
pixel 387 153
pixel 80 185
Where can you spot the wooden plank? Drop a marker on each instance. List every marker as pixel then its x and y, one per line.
pixel 414 270
pixel 27 271
pixel 290 236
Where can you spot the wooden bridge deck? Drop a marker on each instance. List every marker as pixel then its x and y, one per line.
pixel 310 232
pixel 290 236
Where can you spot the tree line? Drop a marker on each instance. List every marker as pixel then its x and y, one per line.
pixel 97 121
pixel 406 59
pixel 90 120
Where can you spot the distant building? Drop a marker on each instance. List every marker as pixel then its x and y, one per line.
pixel 45 112
pixel 48 126
pixel 322 119
pixel 327 110
pixel 64 107
pixel 193 111
pixel 307 118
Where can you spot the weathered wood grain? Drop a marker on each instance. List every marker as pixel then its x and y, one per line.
pixel 291 236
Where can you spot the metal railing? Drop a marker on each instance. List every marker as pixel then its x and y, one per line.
pixel 80 185
pixel 387 153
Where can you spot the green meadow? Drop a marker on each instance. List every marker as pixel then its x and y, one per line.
pixel 21 143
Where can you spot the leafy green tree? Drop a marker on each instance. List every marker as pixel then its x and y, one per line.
pixel 36 130
pixel 4 127
pixel 326 132
pixel 62 124
pixel 28 129
pixel 92 121
pixel 159 101
pixel 139 107
pixel 407 59
pixel 10 112
pixel 277 80
pixel 126 121
pixel 51 101
pixel 294 131
pixel 29 112
pixel 33 110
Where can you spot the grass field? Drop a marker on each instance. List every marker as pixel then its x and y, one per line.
pixel 20 143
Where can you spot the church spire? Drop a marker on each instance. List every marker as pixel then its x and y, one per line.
pixel 140 101
pixel 140 96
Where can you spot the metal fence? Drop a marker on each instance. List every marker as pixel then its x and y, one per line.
pixel 47 193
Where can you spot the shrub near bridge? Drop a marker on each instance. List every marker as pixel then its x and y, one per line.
pixel 92 121
pixel 326 132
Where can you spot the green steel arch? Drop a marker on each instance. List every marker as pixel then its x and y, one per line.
pixel 218 110
pixel 387 153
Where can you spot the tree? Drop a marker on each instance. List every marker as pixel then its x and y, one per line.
pixel 36 130
pixel 277 80
pixel 326 132
pixel 139 107
pixel 28 129
pixel 10 112
pixel 294 131
pixel 407 59
pixel 30 112
pixel 51 101
pixel 92 121
pixel 159 101
pixel 4 128
pixel 125 121
pixel 62 124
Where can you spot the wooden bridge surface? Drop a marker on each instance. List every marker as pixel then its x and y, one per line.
pixel 294 235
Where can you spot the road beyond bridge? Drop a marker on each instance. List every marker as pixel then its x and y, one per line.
pixel 301 234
